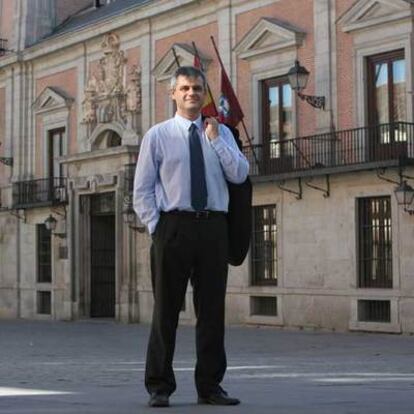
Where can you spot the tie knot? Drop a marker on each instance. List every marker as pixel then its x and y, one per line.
pixel 193 127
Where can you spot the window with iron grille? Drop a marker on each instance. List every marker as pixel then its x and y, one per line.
pixel 374 311
pixel 44 257
pixel 263 305
pixel 375 243
pixel 44 302
pixel 264 246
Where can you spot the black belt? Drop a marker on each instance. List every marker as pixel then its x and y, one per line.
pixel 203 214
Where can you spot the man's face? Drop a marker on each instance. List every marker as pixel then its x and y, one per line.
pixel 189 95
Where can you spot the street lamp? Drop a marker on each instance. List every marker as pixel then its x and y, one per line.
pixel 50 224
pixel 298 79
pixel 404 194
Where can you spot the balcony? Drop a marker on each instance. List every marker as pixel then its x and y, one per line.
pixel 38 193
pixel 381 146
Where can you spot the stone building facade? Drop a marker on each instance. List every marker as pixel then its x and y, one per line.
pixel 81 82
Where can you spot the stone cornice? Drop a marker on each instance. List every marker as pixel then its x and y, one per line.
pixel 166 66
pixel 268 36
pixel 103 153
pixel 52 98
pixel 368 13
pixel 9 59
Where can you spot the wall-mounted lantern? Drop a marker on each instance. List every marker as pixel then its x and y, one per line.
pixel 404 194
pixel 50 224
pixel 298 79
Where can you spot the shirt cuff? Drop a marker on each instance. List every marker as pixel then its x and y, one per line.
pixel 153 224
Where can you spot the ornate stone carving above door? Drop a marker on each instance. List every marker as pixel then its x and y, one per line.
pixel 109 98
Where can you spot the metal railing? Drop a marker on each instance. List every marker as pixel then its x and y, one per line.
pixel 385 142
pixel 43 191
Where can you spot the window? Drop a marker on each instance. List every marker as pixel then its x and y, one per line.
pixel 387 88
pixel 387 97
pixel 374 243
pixel 277 116
pixel 264 246
pixel 263 305
pixel 374 311
pixel 44 257
pixel 44 302
pixel 55 145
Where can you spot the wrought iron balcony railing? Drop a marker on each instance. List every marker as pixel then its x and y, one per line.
pixel 353 147
pixel 36 193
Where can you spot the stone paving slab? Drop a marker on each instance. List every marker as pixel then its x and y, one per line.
pixel 97 366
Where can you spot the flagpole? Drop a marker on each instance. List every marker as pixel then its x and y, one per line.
pixel 202 68
pixel 176 57
pixel 242 120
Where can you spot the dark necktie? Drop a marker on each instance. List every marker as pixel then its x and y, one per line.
pixel 198 178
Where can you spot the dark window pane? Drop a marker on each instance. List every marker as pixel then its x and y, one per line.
pixel 44 257
pixel 44 302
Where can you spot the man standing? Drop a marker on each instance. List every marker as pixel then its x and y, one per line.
pixel 180 194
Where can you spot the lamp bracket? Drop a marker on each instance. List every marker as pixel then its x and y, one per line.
pixel 325 191
pixel 297 193
pixel 16 213
pixel 56 211
pixel 410 212
pixel 381 175
pixel 315 101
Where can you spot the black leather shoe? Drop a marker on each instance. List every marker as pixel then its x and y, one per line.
pixel 218 398
pixel 159 400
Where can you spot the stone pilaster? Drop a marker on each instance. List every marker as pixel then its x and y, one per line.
pixel 324 60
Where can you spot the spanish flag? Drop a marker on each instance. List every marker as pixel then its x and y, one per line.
pixel 209 108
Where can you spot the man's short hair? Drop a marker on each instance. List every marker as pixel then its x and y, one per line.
pixel 188 72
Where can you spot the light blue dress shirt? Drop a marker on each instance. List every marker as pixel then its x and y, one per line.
pixel 162 176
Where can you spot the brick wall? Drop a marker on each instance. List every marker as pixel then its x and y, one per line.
pixel 285 11
pixel 66 81
pixel 345 71
pixel 6 20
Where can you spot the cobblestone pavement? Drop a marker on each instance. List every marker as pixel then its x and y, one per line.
pixel 96 366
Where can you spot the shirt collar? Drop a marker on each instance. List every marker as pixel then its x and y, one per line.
pixel 186 123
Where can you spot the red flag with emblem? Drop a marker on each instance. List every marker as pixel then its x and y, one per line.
pixel 230 111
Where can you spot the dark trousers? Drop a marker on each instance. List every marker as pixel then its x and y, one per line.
pixel 186 247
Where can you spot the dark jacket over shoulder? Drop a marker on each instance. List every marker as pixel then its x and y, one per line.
pixel 239 215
